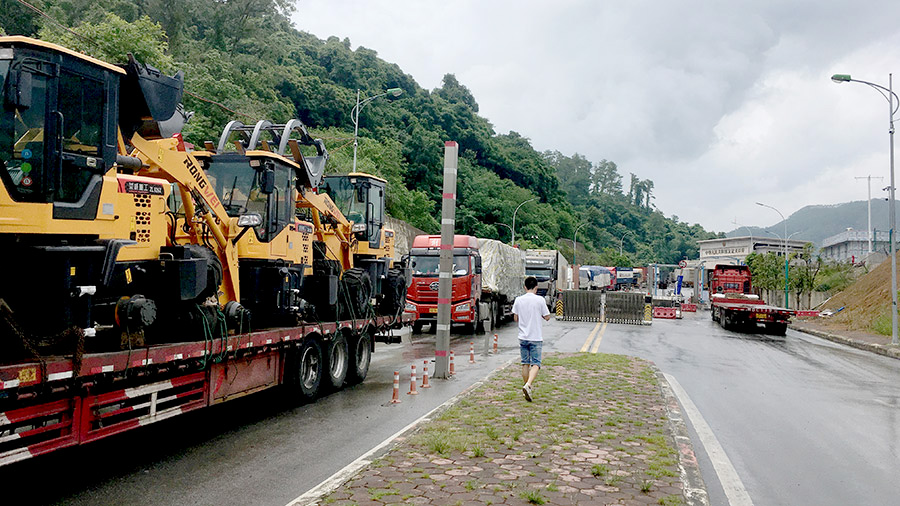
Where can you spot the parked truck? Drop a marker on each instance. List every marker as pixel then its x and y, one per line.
pixel 487 276
pixel 595 277
pixel 735 307
pixel 625 278
pixel 149 264
pixel 551 269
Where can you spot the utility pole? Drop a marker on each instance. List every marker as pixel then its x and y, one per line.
pixel 869 202
pixel 445 281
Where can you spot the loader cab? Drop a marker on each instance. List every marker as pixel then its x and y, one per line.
pixel 360 197
pixel 58 125
pixel 256 189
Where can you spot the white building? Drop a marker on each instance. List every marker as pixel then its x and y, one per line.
pixel 734 250
pixel 853 246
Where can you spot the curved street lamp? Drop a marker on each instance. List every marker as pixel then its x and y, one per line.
pixel 514 220
pixel 622 240
pixel 505 225
pixel 889 95
pixel 354 113
pixel 786 292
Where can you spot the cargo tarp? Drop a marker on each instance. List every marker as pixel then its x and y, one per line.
pixel 502 268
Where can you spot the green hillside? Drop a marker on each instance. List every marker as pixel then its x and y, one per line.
pixel 243 60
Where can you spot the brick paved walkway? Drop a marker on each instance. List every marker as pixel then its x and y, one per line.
pixel 596 433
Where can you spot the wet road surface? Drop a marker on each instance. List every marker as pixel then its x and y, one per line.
pixel 802 420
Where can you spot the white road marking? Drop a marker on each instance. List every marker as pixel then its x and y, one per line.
pixel 734 488
pixel 337 479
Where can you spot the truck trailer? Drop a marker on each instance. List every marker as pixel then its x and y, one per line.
pixel 487 277
pixel 551 270
pixel 735 307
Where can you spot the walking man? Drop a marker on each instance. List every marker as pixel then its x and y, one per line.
pixel 528 310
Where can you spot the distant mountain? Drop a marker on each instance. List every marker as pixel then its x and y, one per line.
pixel 816 223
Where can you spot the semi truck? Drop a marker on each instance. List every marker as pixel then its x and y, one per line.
pixel 595 277
pixel 551 270
pixel 163 280
pixel 735 307
pixel 487 277
pixel 625 278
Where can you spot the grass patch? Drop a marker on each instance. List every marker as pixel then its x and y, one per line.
pixel 599 470
pixel 670 500
pixel 533 496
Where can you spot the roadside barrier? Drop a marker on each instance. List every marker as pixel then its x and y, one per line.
pixel 412 382
pixel 581 305
pixel 669 313
pixel 452 367
pixel 495 343
pixel 625 307
pixel 559 308
pixel 396 398
pixel 805 313
pixel 472 352
pixel 425 375
pixel 689 308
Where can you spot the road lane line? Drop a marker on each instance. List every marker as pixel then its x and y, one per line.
pixel 599 338
pixel 587 344
pixel 734 488
pixel 331 484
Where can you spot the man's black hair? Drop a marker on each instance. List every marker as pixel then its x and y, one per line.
pixel 530 282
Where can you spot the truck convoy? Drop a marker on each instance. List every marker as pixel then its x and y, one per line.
pixel 487 277
pixel 595 277
pixel 551 270
pixel 736 308
pixel 142 281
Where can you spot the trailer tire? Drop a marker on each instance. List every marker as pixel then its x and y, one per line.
pixel 360 358
pixel 338 361
pixel 308 369
pixel 496 314
pixel 417 327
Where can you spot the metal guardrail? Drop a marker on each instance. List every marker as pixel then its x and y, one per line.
pixel 612 307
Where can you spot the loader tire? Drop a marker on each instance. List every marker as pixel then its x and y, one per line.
pixel 360 358
pixel 357 294
pixel 393 298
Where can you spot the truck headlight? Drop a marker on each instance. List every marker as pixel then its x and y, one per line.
pixel 410 307
pixel 462 308
pixel 359 227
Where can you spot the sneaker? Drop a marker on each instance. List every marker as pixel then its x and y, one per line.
pixel 527 391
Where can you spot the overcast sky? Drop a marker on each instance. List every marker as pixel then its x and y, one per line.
pixel 720 103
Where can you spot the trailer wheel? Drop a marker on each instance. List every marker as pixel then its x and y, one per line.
pixel 496 314
pixel 360 357
pixel 338 361
pixel 309 369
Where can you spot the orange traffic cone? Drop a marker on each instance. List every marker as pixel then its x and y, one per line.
pixel 472 353
pixel 452 368
pixel 412 382
pixel 396 398
pixel 425 375
pixel 495 343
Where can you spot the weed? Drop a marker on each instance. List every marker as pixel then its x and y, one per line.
pixel 478 451
pixel 611 480
pixel 552 487
pixel 533 496
pixel 646 485
pixel 670 500
pixel 377 494
pixel 471 484
pixel 599 470
pixel 491 432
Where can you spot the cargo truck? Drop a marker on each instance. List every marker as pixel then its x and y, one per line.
pixel 550 269
pixel 487 277
pixel 595 277
pixel 735 307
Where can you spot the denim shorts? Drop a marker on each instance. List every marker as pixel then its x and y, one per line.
pixel 531 352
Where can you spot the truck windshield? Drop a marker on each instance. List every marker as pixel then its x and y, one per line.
pixel 22 140
pixel 347 197
pixel 539 274
pixel 429 265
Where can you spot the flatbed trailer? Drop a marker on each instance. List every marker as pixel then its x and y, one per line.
pixel 52 403
pixel 745 315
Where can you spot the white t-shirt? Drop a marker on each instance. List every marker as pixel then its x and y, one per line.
pixel 531 309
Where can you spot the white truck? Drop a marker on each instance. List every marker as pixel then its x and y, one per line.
pixel 551 270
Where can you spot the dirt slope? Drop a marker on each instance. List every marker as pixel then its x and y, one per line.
pixel 863 301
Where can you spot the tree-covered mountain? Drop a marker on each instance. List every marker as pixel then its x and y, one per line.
pixel 816 223
pixel 243 60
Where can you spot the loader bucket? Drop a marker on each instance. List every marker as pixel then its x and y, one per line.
pixel 150 102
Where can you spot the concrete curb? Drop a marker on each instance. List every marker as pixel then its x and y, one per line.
pixel 314 495
pixel 694 487
pixel 880 349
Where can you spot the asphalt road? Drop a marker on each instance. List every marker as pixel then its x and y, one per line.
pixel 802 421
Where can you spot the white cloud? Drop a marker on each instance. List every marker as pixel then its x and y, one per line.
pixel 721 104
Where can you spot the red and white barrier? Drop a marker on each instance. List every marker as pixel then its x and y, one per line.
pixel 472 352
pixel 689 308
pixel 669 313
pixel 396 398
pixel 412 382
pixel 425 375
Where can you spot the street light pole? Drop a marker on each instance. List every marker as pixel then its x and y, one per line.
pixel 622 240
pixel 354 113
pixel 890 96
pixel 514 220
pixel 505 225
pixel 786 292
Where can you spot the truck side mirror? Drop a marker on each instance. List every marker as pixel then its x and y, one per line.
pixel 477 265
pixel 18 91
pixel 267 181
pixel 404 261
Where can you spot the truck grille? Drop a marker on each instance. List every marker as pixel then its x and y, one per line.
pixel 542 291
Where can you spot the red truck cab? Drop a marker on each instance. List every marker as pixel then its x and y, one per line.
pixel 424 262
pixel 730 279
